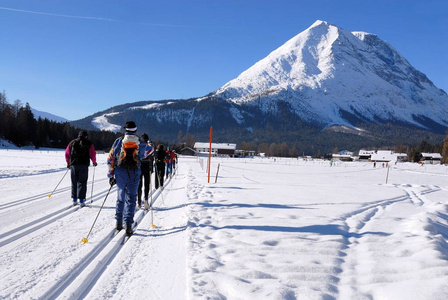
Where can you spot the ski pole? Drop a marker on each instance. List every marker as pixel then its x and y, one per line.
pixel 152 210
pixel 49 195
pixel 85 240
pixel 91 194
pixel 159 181
pixel 157 174
pixel 146 190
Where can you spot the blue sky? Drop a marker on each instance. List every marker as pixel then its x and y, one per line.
pixel 75 58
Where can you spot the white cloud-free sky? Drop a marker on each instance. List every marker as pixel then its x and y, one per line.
pixel 75 58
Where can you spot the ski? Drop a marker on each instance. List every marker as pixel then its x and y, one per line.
pixel 116 231
pixel 126 237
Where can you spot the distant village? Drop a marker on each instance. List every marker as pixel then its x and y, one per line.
pixel 376 156
pixel 384 156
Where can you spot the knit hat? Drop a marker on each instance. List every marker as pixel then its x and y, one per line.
pixel 83 133
pixel 130 126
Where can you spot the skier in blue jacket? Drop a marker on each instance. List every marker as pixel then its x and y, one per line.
pixel 124 170
pixel 146 168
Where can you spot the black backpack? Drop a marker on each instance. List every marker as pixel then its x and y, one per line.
pixel 79 154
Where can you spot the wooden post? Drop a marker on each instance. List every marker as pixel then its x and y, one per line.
pixel 210 154
pixel 217 171
pixel 387 176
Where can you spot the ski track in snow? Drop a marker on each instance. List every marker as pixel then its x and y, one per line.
pixel 372 251
pixel 302 230
pixel 142 254
pixel 354 256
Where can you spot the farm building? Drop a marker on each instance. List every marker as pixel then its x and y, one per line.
pixel 365 154
pixel 432 158
pixel 387 156
pixel 344 155
pixel 188 151
pixel 218 149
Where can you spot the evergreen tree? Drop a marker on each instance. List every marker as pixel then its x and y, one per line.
pixel 4 106
pixel 189 140
pixel 445 150
pixel 273 150
pixel 17 105
pixel 179 137
pixel 425 147
pixel 25 125
pixel 293 152
pixel 283 149
pixel 263 148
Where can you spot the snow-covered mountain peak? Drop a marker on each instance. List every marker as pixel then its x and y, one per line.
pixel 318 23
pixel 45 115
pixel 362 35
pixel 300 61
pixel 327 70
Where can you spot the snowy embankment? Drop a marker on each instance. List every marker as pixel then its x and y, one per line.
pixel 102 123
pixel 268 229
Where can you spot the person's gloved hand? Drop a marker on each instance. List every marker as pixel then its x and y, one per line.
pixel 112 181
pixel 68 166
pixel 95 164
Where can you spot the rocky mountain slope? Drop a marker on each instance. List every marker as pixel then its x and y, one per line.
pixel 323 88
pixel 335 77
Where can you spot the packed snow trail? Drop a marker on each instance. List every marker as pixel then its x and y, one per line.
pixel 73 268
pixel 37 224
pixel 44 238
pixel 82 278
pixel 152 264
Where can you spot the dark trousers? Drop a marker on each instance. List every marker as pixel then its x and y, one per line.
pixel 79 176
pixel 160 173
pixel 146 177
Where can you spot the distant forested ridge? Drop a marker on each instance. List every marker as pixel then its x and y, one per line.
pixel 19 126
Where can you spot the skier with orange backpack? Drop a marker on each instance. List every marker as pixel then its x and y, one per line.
pixel 124 170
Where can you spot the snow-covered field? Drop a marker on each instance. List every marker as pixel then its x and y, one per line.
pixel 268 229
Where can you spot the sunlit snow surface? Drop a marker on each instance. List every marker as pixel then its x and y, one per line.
pixel 267 229
pixel 102 123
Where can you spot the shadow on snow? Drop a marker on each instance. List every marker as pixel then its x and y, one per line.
pixel 329 229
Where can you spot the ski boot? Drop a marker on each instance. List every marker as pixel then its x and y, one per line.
pixel 129 230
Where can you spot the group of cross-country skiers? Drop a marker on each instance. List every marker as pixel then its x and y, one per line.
pixel 132 160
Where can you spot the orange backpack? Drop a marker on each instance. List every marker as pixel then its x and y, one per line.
pixel 128 157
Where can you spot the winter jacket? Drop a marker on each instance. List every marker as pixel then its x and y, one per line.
pixel 148 156
pixel 112 159
pixel 170 156
pixel 83 152
pixel 160 156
